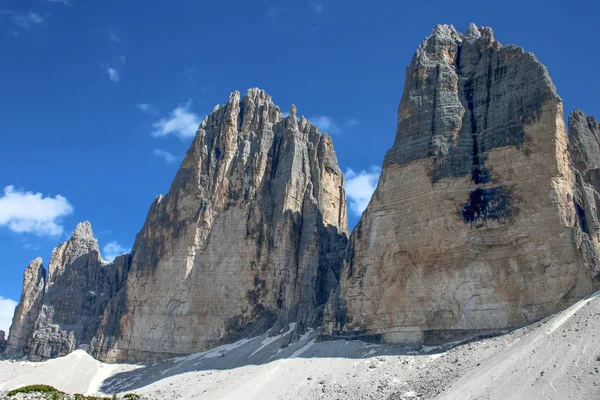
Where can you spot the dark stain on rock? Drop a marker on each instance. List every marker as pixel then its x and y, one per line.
pixel 487 204
pixel 581 217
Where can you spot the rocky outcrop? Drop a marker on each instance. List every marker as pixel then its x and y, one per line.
pixel 2 341
pixel 485 218
pixel 61 310
pixel 34 280
pixel 249 237
pixel 251 233
pixel 472 226
pixel 584 147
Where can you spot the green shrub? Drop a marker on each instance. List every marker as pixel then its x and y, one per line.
pixel 36 389
pixel 55 394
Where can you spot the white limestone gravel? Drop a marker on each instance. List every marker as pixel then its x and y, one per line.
pixel 558 358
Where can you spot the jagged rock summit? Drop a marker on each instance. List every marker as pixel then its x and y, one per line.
pixel 60 308
pixel 2 341
pixel 473 226
pixel 485 218
pixel 250 236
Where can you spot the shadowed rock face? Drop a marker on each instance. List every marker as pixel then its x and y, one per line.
pixel 584 148
pixel 2 341
pixel 485 218
pixel 61 309
pixel 251 235
pixel 472 226
pixel 34 281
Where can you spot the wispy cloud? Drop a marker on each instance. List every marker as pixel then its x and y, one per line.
pixel 165 155
pixel 112 250
pixel 182 122
pixel 123 59
pixel 147 108
pixel 351 123
pixel 65 2
pixel 360 187
pixel 31 246
pixel 7 310
pixel 112 35
pixel 325 124
pixel 30 20
pixel 113 73
pixel 28 212
pixel 331 125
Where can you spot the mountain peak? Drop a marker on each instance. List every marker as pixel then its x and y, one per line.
pixel 83 231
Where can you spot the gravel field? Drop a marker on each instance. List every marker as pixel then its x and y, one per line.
pixel 557 358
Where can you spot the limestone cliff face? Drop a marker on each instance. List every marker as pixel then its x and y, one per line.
pixel 250 236
pixel 60 310
pixel 584 146
pixel 473 226
pixel 34 281
pixel 2 341
pixel 251 233
pixel 486 217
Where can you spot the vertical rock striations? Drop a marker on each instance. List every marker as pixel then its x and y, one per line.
pixel 584 147
pixel 486 217
pixel 251 232
pixel 251 235
pixel 34 280
pixel 473 223
pixel 2 341
pixel 61 310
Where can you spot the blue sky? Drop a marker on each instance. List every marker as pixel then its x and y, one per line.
pixel 99 99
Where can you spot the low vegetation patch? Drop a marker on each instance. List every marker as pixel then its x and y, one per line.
pixel 35 389
pixel 52 393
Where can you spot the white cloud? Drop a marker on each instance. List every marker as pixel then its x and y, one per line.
pixel 330 125
pixel 65 2
pixel 360 187
pixel 165 155
pixel 31 246
pixel 7 310
pixel 147 108
pixel 325 124
pixel 32 213
pixel 181 122
pixel 113 74
pixel 29 20
pixel 113 36
pixel 112 250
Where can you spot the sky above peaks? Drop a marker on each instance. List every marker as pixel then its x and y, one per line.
pixel 100 99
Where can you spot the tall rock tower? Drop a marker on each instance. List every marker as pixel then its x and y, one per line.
pixel 251 232
pixel 250 236
pixel 476 223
